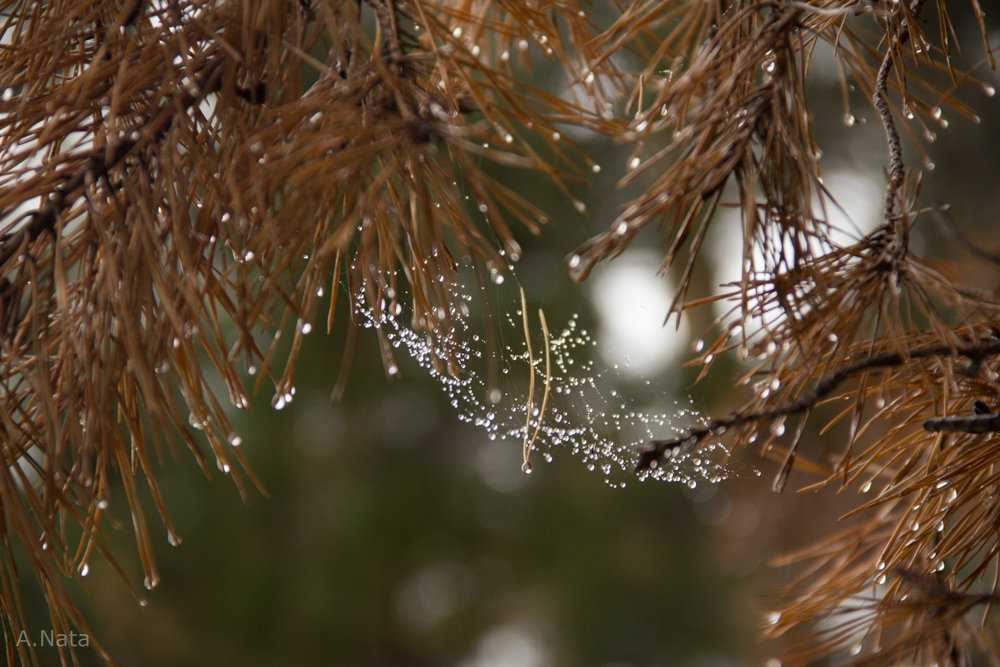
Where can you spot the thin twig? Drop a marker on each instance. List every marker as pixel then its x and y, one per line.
pixel 897 169
pixel 943 219
pixel 385 14
pixel 987 423
pixel 660 449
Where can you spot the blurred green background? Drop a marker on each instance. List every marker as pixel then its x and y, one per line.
pixel 392 534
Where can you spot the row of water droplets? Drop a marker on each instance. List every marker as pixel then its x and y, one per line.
pixel 585 414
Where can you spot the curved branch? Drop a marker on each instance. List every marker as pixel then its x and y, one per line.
pixel 660 449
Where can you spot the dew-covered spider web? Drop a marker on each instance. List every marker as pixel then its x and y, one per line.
pixel 488 384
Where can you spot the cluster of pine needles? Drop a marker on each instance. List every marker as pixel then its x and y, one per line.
pixel 184 181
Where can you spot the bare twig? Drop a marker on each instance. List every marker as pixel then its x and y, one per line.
pixel 985 423
pixel 897 169
pixel 940 215
pixel 385 13
pixel 660 449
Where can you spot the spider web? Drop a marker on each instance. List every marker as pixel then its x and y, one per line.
pixel 586 413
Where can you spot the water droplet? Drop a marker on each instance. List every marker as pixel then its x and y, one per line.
pixel 526 468
pixel 589 78
pixel 622 228
pixel 936 113
pixel 457 32
pixel 508 138
pixel 84 570
pixel 634 162
pixel 989 90
pixel 580 206
pixel 102 504
pixel 596 168
pixel 494 396
pixel 850 119
pixel 235 440
pixel 151 581
pixel 866 487
pixel 556 136
pixel 173 539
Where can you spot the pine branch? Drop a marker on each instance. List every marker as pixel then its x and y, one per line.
pixel 101 162
pixel 661 449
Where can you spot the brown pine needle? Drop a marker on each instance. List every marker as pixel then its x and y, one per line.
pixel 526 447
pixel 545 395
